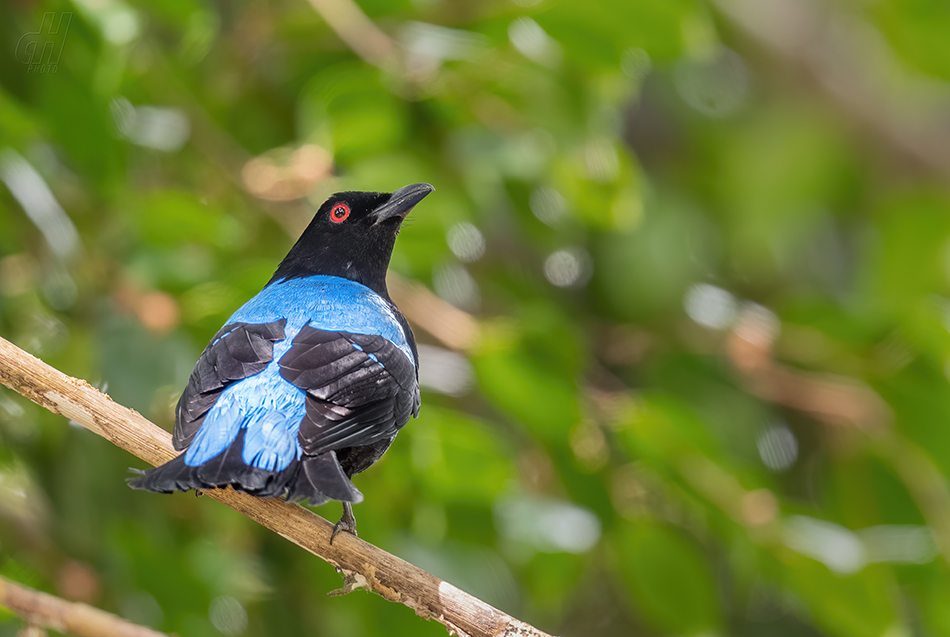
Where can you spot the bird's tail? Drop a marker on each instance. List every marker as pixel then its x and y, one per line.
pixel 311 479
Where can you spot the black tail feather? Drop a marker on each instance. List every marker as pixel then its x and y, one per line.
pixel 323 475
pixel 313 479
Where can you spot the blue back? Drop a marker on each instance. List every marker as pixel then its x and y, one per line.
pixel 328 303
pixel 266 405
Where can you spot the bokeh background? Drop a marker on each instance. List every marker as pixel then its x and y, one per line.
pixel 682 294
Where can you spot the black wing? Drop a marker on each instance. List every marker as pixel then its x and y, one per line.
pixel 361 389
pixel 237 351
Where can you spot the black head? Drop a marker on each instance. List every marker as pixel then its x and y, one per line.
pixel 352 236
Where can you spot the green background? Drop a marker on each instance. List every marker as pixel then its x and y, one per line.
pixel 706 251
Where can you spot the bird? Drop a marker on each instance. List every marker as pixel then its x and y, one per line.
pixel 308 383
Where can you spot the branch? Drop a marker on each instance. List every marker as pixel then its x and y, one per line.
pixel 362 565
pixel 842 401
pixel 456 329
pixel 353 26
pixel 41 609
pixel 833 400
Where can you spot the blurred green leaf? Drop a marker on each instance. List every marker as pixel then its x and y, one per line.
pixel 669 577
pixel 858 605
pixel 524 385
pixel 458 457
pixel 347 109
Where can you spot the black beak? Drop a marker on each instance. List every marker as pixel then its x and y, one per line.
pixel 401 202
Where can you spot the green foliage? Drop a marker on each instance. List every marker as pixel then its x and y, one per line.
pixel 670 579
pixel 708 394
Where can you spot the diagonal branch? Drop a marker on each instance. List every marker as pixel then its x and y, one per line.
pixel 357 31
pixel 49 611
pixel 454 328
pixel 362 565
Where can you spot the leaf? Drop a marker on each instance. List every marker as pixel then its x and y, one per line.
pixel 669 577
pixel 858 605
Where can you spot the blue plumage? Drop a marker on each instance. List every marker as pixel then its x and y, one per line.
pixel 309 382
pixel 328 303
pixel 269 407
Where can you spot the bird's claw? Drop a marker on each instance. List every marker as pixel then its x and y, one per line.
pixel 347 522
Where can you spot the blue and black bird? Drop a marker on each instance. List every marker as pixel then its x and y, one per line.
pixel 310 381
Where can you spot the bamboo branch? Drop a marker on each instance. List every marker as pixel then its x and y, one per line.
pixel 48 611
pixel 361 564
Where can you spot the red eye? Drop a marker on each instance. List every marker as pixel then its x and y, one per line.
pixel 339 213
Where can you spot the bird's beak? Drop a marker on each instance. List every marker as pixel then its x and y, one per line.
pixel 401 202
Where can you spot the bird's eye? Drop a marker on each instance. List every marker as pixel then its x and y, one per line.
pixel 339 213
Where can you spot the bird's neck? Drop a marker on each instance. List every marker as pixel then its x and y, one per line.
pixel 367 267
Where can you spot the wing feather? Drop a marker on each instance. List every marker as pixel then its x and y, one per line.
pixel 237 351
pixel 361 389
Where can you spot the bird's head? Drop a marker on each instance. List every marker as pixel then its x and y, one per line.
pixel 352 236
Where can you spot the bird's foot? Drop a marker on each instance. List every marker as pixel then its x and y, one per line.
pixel 347 522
